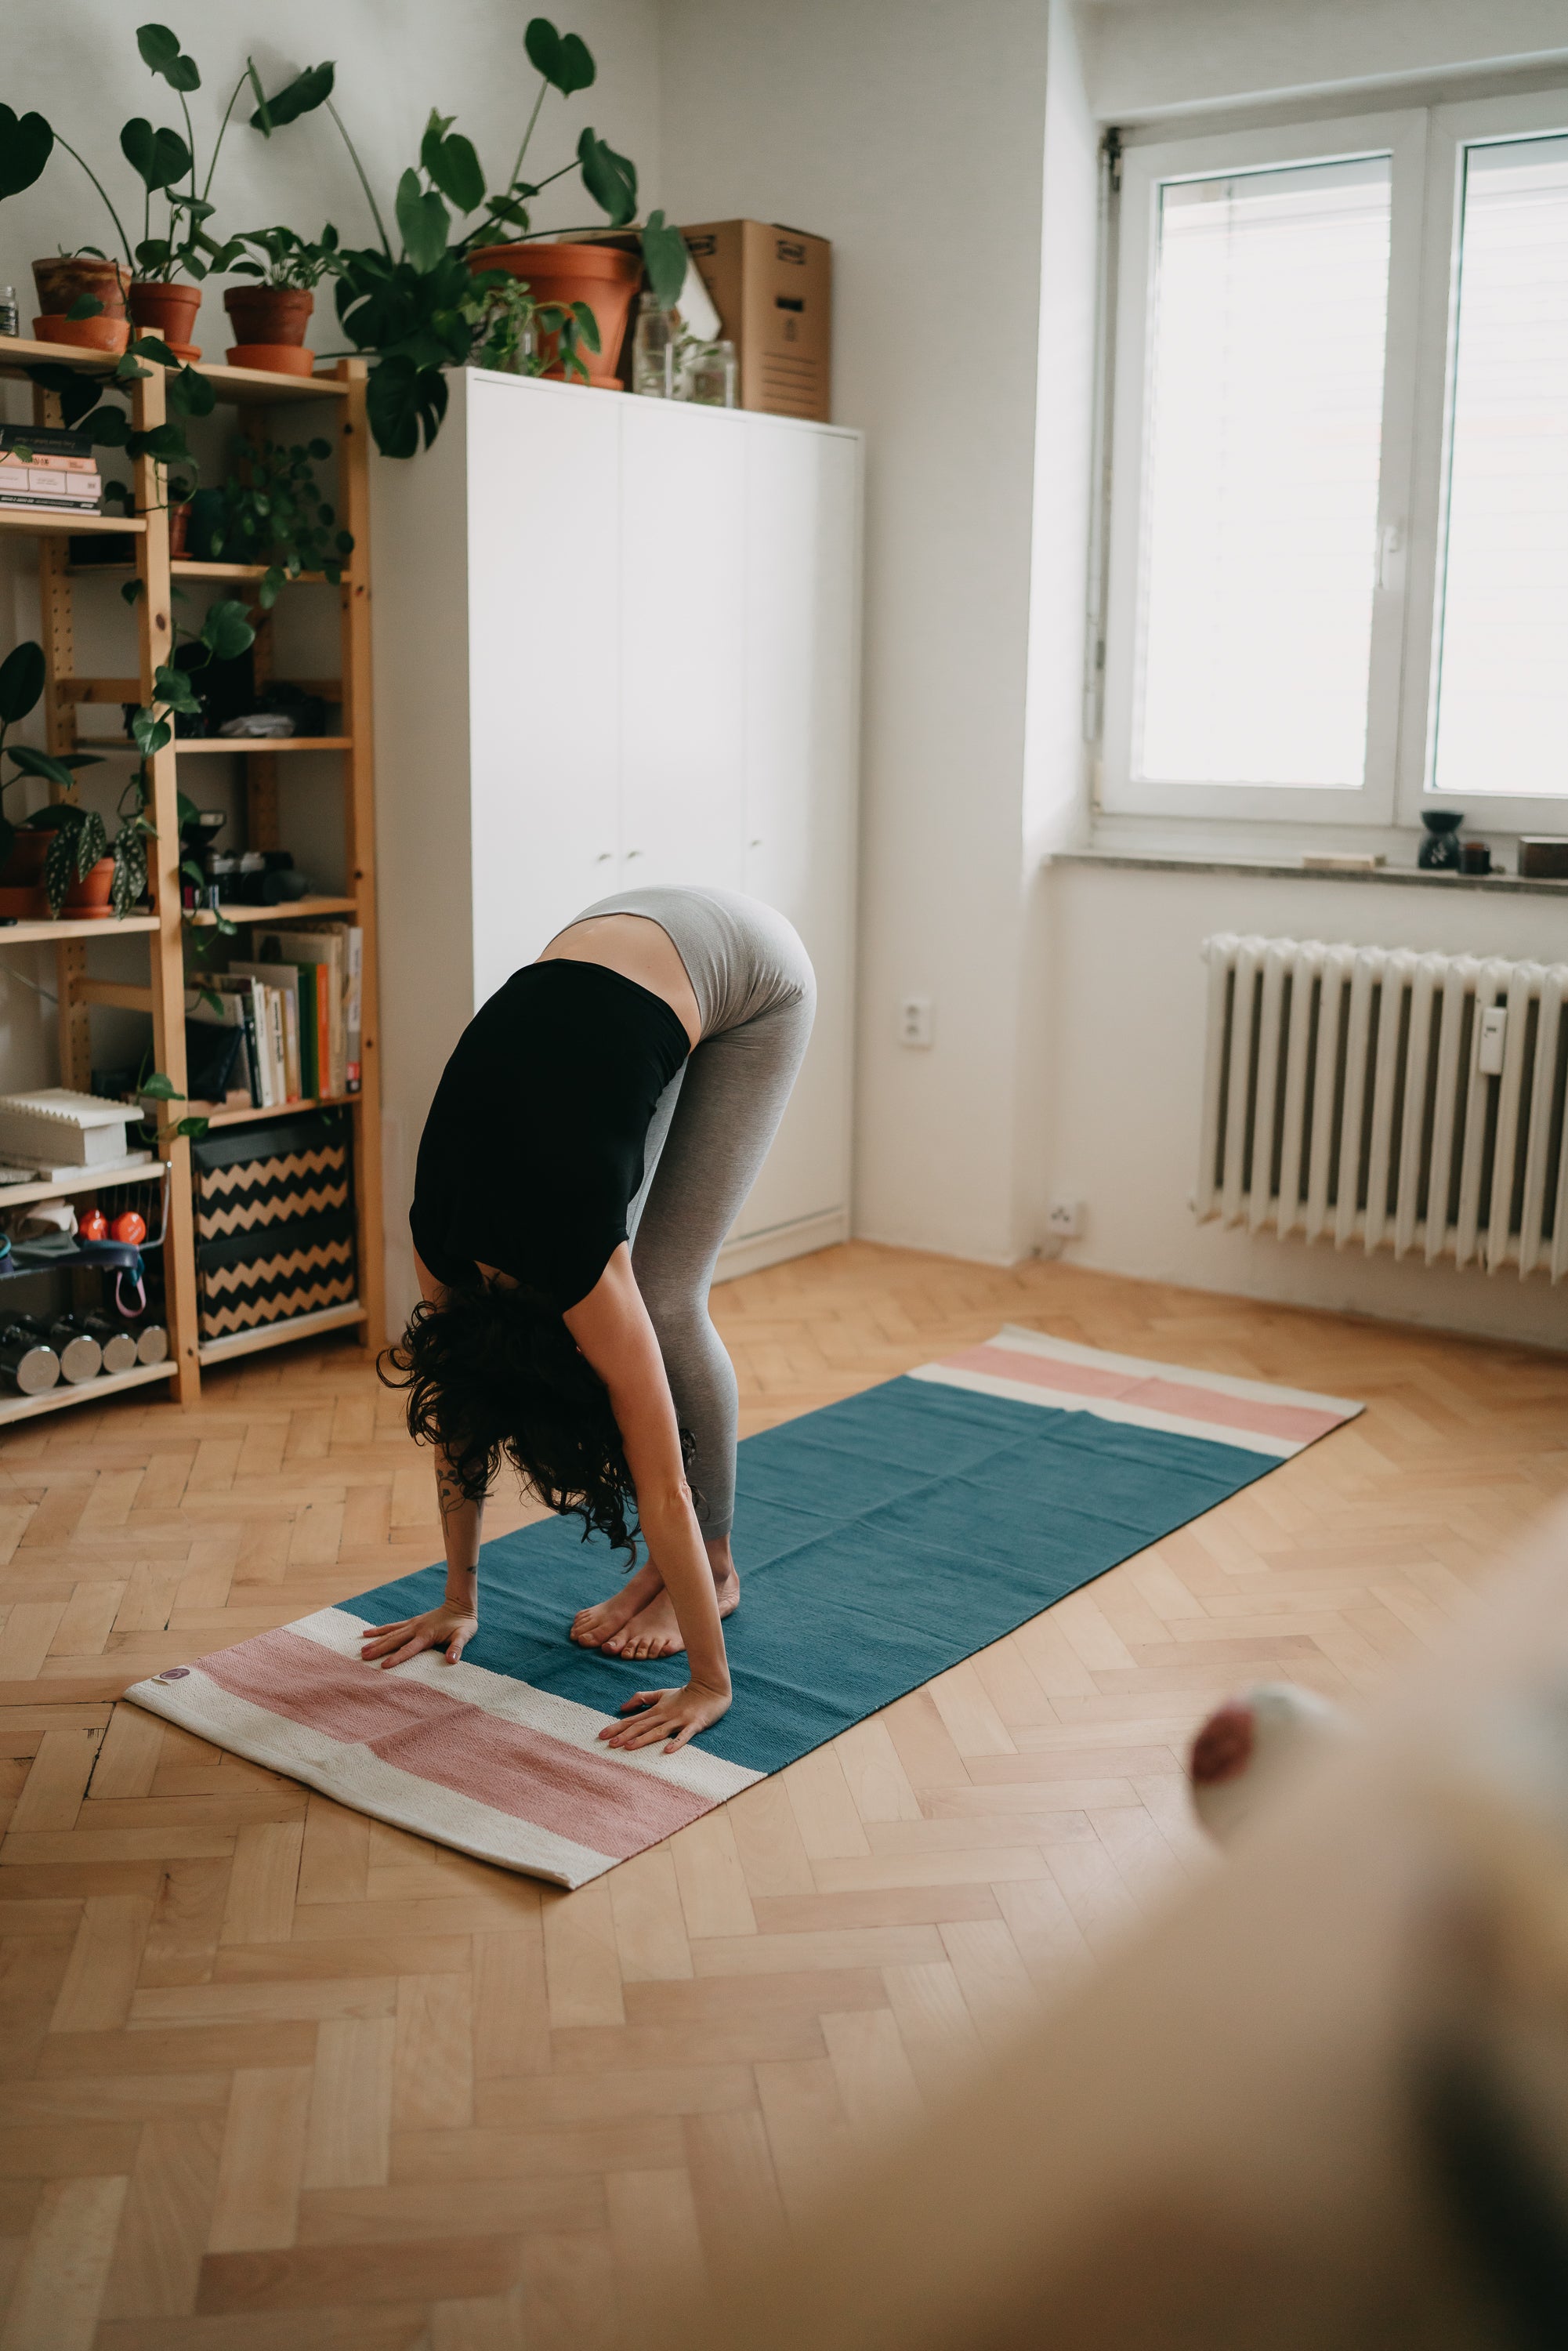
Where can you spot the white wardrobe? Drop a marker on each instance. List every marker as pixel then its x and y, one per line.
pixel 615 642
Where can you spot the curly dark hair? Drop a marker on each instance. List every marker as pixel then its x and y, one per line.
pixel 495 1372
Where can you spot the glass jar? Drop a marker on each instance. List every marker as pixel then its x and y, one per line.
pixel 10 311
pixel 655 348
pixel 709 375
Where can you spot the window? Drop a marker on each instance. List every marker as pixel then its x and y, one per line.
pixel 1502 660
pixel 1338 530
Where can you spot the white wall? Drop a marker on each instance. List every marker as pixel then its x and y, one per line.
pixel 1127 993
pixel 910 132
pixel 1151 57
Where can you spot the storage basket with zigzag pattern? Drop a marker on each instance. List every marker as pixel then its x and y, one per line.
pixel 275 1221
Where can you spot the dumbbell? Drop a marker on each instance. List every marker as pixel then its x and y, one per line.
pixel 151 1343
pixel 29 1366
pixel 80 1356
pixel 118 1341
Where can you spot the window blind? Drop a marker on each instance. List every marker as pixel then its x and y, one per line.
pixel 1503 651
pixel 1258 558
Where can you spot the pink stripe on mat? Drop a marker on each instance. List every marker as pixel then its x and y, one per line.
pixel 1178 1397
pixel 453 1745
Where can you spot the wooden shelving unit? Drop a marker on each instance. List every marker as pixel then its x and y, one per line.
pixel 69 697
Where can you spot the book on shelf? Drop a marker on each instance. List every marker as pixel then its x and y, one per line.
pixel 229 1012
pixel 296 1011
pixel 335 954
pixel 46 444
pixel 251 997
pixel 44 465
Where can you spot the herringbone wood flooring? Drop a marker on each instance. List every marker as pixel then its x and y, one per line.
pixel 273 2074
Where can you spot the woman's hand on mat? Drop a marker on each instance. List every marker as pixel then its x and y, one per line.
pixel 449 1627
pixel 672 1715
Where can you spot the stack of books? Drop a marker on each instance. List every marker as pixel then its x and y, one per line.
pixel 300 1008
pixel 42 466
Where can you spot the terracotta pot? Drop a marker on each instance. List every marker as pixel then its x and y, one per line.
pixel 272 358
pixel 22 878
pixel 26 863
pixel 65 277
pixel 599 275
pixel 179 529
pixel 84 334
pixel 269 314
pixel 88 899
pixel 168 312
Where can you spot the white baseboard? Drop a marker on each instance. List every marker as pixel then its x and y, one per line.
pixel 781 1241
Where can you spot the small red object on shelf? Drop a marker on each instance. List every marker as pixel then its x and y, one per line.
pixel 128 1227
pixel 93 1226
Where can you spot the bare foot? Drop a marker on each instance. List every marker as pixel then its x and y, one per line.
pixel 592 1627
pixel 653 1632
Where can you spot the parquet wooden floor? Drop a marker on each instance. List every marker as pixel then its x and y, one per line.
pixel 271 2074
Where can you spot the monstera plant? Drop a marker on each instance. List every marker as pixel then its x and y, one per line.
pixel 410 306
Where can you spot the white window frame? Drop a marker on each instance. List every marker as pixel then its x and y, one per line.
pixel 1426 145
pixel 1475 123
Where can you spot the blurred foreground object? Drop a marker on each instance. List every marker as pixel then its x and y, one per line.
pixel 1322 2103
pixel 1251 1747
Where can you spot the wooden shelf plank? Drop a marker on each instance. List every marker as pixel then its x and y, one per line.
pixel 252 746
pixel 246 385
pixel 54 523
pixel 90 1179
pixel 246 1116
pixel 187 568
pixel 251 386
pixel 108 1383
pixel 298 910
pixel 27 934
pixel 275 1334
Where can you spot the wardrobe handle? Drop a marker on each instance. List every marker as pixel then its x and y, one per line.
pixel 633 852
pixel 604 857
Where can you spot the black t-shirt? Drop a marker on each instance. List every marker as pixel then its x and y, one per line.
pixel 533 1149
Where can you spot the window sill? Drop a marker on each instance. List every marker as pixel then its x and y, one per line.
pixel 1295 869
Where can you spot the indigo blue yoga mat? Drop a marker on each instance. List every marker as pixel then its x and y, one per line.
pixel 879 1540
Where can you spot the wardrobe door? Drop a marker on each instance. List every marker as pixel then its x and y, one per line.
pixel 682 644
pixel 544 530
pixel 800 764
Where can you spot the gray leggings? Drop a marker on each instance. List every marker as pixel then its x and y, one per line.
pixel 757 994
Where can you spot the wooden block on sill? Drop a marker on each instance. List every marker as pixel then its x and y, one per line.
pixel 1346 862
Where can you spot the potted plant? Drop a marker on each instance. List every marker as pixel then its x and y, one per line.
pixel 57 854
pixel 269 318
pixel 82 301
pixel 61 858
pixel 273 512
pixel 413 310
pixel 160 285
pixel 564 272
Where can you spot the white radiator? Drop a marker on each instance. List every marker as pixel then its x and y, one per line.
pixel 1401 1101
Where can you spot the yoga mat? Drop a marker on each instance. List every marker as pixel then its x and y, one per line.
pixel 879 1540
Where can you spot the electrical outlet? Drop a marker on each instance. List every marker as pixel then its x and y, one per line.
pixel 1064 1219
pixel 916 1020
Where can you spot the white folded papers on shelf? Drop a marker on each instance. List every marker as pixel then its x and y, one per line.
pixel 57 1128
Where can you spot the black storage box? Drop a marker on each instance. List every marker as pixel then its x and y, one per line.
pixel 275 1221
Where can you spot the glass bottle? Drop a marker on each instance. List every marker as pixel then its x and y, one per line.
pixel 653 351
pixel 10 311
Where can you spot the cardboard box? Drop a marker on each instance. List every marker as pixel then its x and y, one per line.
pixel 772 287
pixel 1544 856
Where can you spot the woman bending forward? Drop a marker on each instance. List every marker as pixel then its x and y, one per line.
pixel 590 1142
